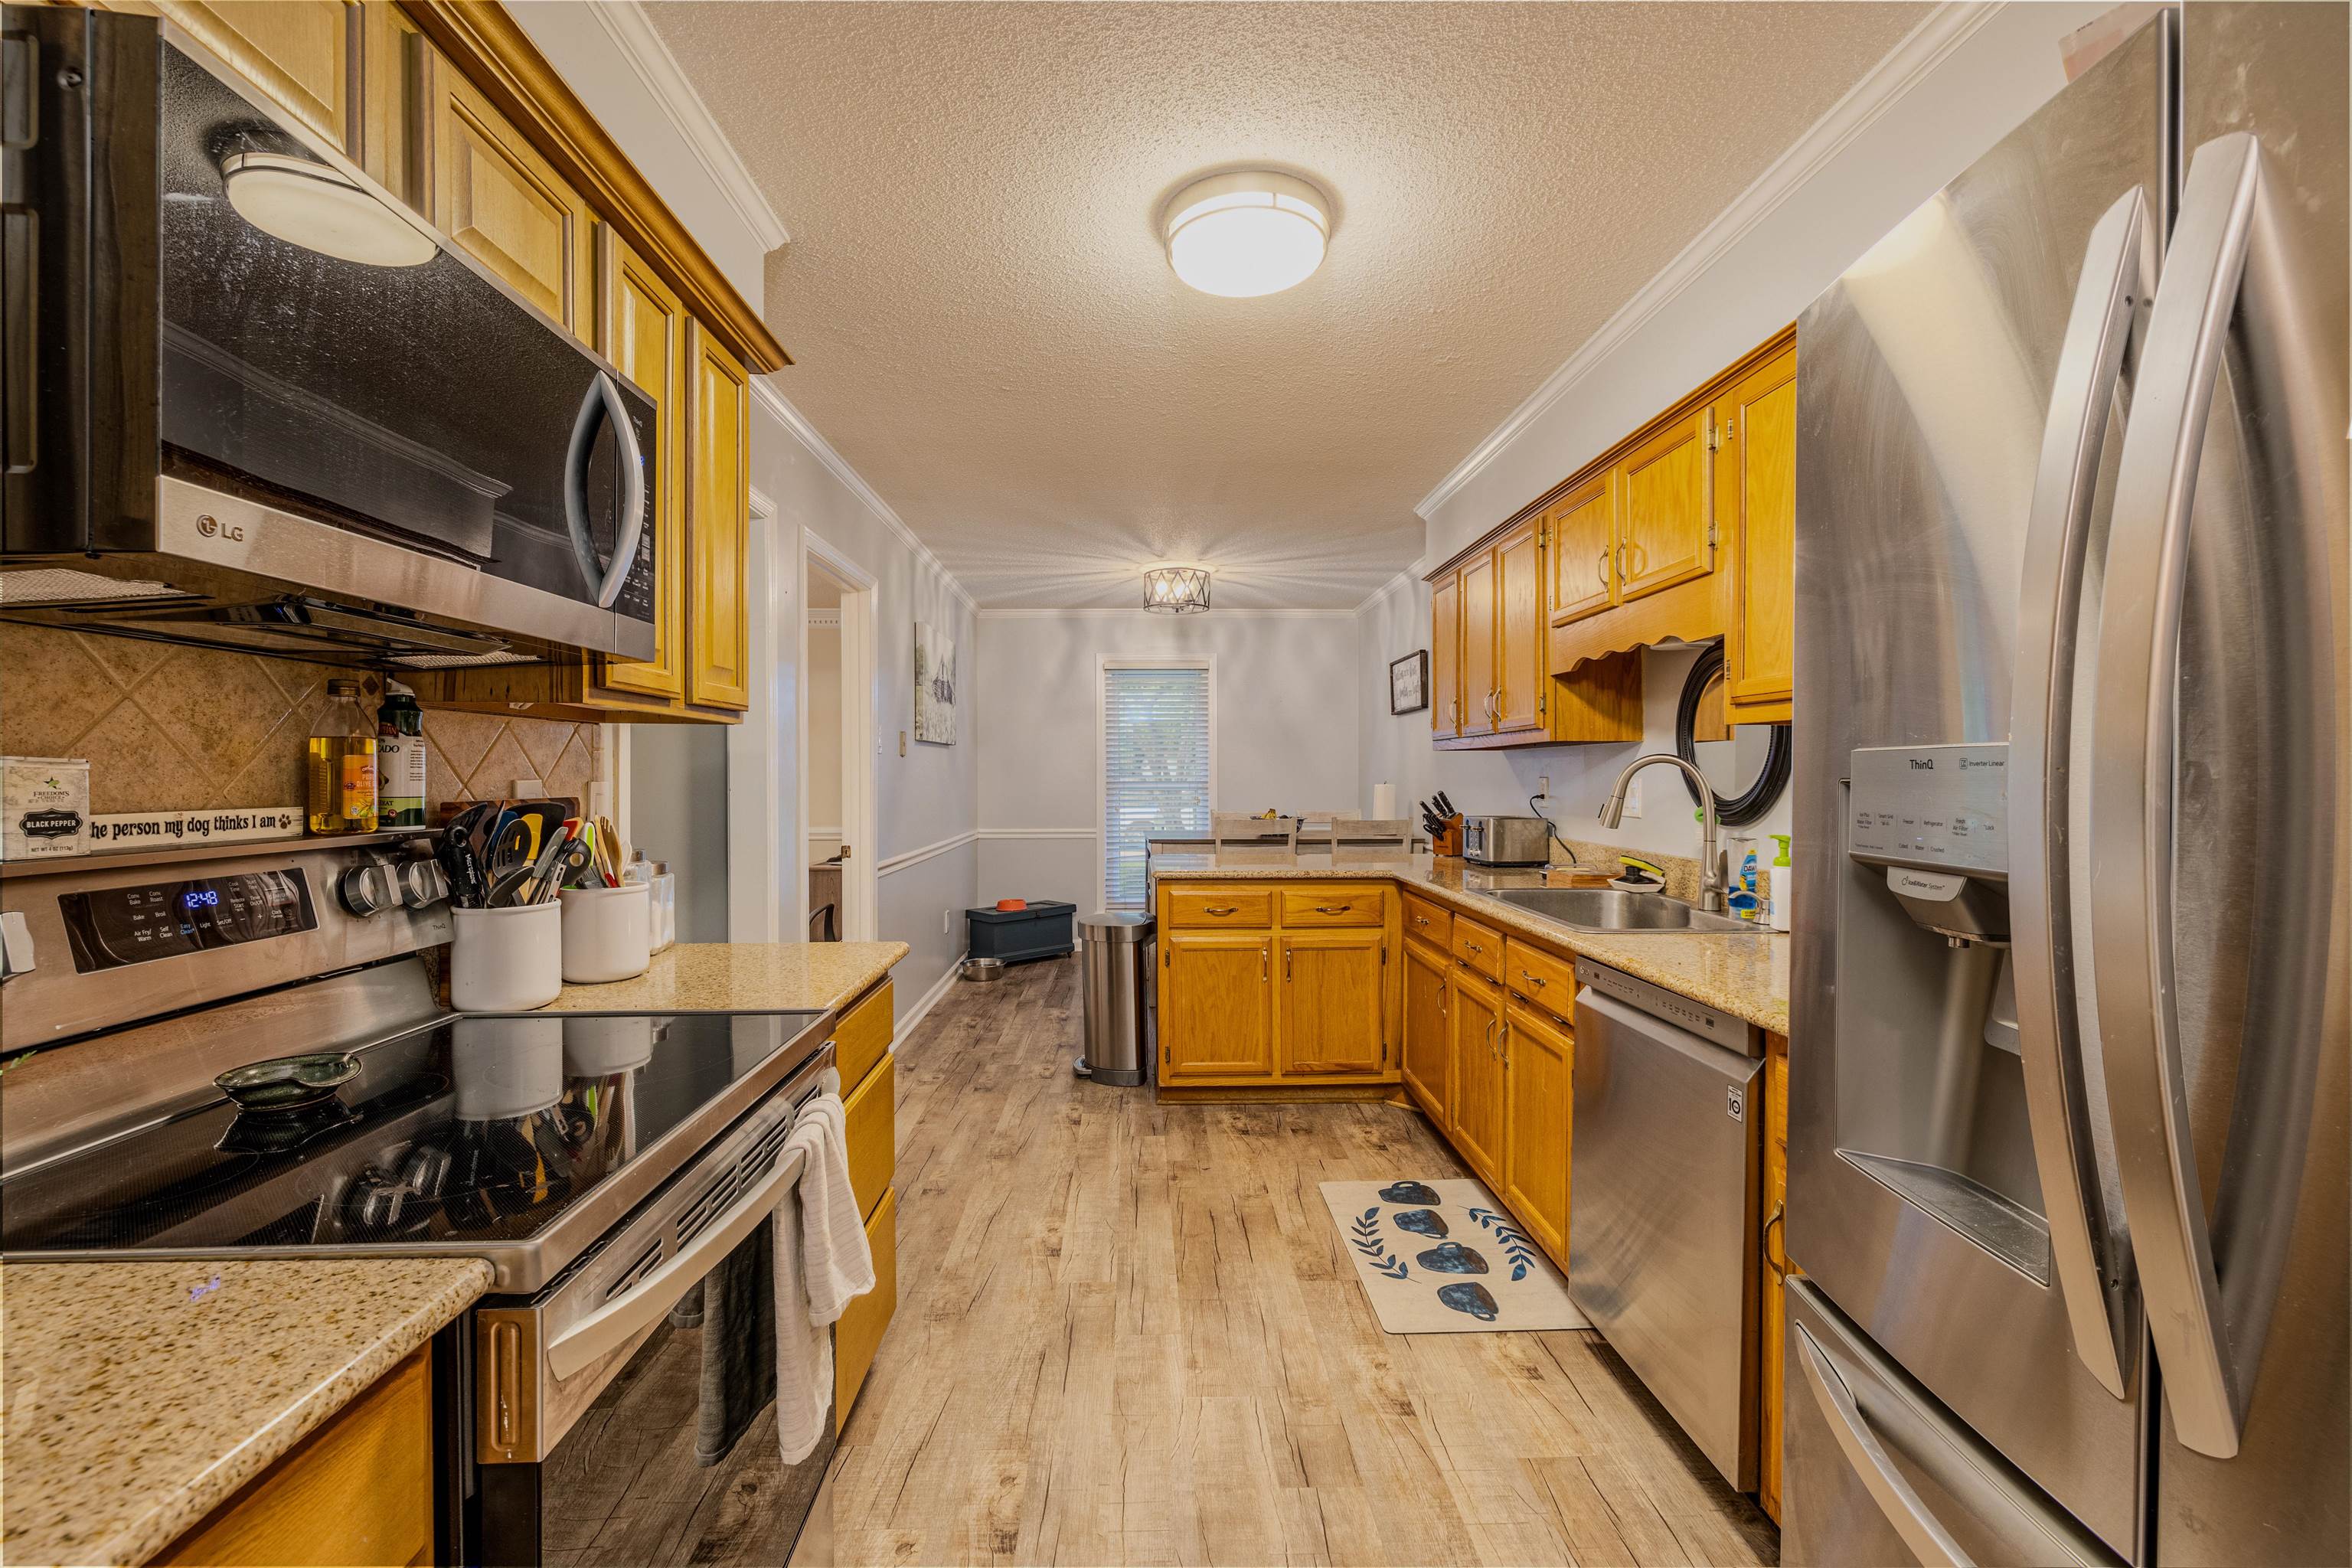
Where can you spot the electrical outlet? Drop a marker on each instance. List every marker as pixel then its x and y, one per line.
pixel 1543 786
pixel 1634 798
pixel 946 923
pixel 902 742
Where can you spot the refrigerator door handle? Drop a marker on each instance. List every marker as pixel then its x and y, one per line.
pixel 2132 790
pixel 1927 1539
pixel 2118 272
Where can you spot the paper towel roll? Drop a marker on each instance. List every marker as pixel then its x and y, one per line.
pixel 1383 801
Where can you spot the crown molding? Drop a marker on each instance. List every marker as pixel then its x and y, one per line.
pixel 1117 615
pixel 793 420
pixel 627 24
pixel 1402 579
pixel 1921 51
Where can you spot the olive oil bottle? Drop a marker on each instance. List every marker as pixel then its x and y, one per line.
pixel 342 764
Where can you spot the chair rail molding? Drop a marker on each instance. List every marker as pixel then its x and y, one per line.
pixel 899 862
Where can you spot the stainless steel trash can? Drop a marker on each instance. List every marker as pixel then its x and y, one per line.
pixel 1115 952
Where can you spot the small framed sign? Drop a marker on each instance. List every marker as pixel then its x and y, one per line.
pixel 1409 683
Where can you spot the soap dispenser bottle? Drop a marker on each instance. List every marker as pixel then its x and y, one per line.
pixel 1784 884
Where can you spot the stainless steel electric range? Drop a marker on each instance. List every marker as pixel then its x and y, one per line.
pixel 601 1163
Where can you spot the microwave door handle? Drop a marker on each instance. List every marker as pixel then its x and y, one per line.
pixel 2132 787
pixel 602 404
pixel 610 1326
pixel 1929 1542
pixel 2117 270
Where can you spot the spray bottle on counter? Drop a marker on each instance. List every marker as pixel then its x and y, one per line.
pixel 1784 885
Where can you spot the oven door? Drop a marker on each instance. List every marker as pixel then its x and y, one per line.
pixel 588 1397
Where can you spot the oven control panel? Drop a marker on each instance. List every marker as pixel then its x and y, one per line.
pixel 107 928
pixel 1939 808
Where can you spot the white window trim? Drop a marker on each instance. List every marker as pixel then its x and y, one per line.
pixel 1103 667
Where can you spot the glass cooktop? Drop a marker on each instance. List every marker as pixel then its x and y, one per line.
pixel 469 1130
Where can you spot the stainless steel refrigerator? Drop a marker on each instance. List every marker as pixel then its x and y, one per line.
pixel 2068 1054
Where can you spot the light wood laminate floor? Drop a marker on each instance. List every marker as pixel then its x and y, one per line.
pixel 1129 1334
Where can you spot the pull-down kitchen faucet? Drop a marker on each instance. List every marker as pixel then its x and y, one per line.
pixel 1710 867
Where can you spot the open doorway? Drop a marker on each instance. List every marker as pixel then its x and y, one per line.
pixel 836 747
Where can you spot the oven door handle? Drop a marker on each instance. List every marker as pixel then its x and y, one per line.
pixel 604 404
pixel 610 1326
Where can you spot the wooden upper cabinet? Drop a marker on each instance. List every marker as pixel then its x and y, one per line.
pixel 1428 1046
pixel 644 333
pixel 1330 1001
pixel 1666 526
pixel 496 196
pixel 719 527
pixel 1445 657
pixel 1216 1012
pixel 1584 549
pixel 1477 596
pixel 391 92
pixel 1757 471
pixel 302 53
pixel 1537 1092
pixel 1520 677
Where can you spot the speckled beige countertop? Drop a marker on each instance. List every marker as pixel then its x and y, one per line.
pixel 1746 974
pixel 135 1397
pixel 741 977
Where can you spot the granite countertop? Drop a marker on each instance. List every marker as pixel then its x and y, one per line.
pixel 741 977
pixel 1746 974
pixel 138 1397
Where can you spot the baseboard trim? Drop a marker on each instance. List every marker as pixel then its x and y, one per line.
pixel 931 999
pixel 1293 1094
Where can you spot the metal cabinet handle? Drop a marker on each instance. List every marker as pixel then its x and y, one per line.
pixel 1220 909
pixel 1780 1215
pixel 1490 1036
pixel 1929 1542
pixel 1287 951
pixel 1263 955
pixel 1333 909
pixel 1620 563
pixel 1531 979
pixel 1420 920
pixel 2116 269
pixel 1502 1043
pixel 1604 568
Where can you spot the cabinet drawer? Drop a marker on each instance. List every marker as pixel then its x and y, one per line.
pixel 1479 947
pixel 1200 908
pixel 1431 922
pixel 1543 979
pixel 1333 907
pixel 862 1036
pixel 859 1332
pixel 870 1117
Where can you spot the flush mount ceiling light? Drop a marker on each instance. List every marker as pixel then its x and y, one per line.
pixel 311 205
pixel 1247 234
pixel 1176 590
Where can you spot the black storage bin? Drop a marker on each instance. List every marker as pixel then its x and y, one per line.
pixel 1016 936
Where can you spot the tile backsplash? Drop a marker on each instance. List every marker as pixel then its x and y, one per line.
pixel 166 728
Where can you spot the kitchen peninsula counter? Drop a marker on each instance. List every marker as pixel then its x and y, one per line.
pixel 139 1396
pixel 742 977
pixel 1746 974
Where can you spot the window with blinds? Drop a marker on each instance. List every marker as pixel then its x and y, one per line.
pixel 1155 769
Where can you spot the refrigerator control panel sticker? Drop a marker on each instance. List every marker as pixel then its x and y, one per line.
pixel 1931 807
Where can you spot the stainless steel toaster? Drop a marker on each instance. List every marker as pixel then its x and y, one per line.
pixel 1506 840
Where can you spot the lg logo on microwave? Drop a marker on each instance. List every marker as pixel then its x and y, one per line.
pixel 211 527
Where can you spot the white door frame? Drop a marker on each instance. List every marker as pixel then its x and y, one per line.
pixel 1103 667
pixel 757 862
pixel 859 701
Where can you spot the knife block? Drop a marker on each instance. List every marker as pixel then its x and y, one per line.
pixel 1450 841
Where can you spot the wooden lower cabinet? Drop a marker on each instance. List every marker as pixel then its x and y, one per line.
pixel 1476 1006
pixel 1539 1058
pixel 858 1335
pixel 1216 1004
pixel 1428 1061
pixel 1331 1007
pixel 357 1491
pixel 1776 1269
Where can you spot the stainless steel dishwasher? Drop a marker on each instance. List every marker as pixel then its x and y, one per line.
pixel 1663 1254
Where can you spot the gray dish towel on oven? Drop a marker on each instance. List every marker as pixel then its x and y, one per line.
pixel 739 1345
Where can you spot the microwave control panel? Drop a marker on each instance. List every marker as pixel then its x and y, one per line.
pixel 1942 807
pixel 110 928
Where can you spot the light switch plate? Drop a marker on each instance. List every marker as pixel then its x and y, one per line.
pixel 902 742
pixel 1634 798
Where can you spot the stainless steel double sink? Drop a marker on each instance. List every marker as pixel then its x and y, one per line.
pixel 1610 912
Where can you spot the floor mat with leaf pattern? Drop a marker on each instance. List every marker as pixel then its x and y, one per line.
pixel 1444 1258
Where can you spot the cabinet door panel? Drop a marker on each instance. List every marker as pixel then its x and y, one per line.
pixel 1665 496
pixel 1476 1005
pixel 1216 1010
pixel 1760 654
pixel 495 195
pixel 1520 673
pixel 297 51
pixel 718 528
pixel 1330 1015
pixel 1537 1095
pixel 1584 550
pixel 644 334
pixel 1478 646
pixel 1445 657
pixel 1428 1044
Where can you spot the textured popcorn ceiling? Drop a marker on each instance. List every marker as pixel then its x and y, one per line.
pixel 984 316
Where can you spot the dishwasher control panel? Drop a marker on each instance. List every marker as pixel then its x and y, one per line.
pixel 1939 808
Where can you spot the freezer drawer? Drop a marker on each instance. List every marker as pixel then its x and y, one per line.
pixel 1875 1471
pixel 1661 1253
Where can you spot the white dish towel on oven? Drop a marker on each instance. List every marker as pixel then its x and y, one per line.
pixel 822 1263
